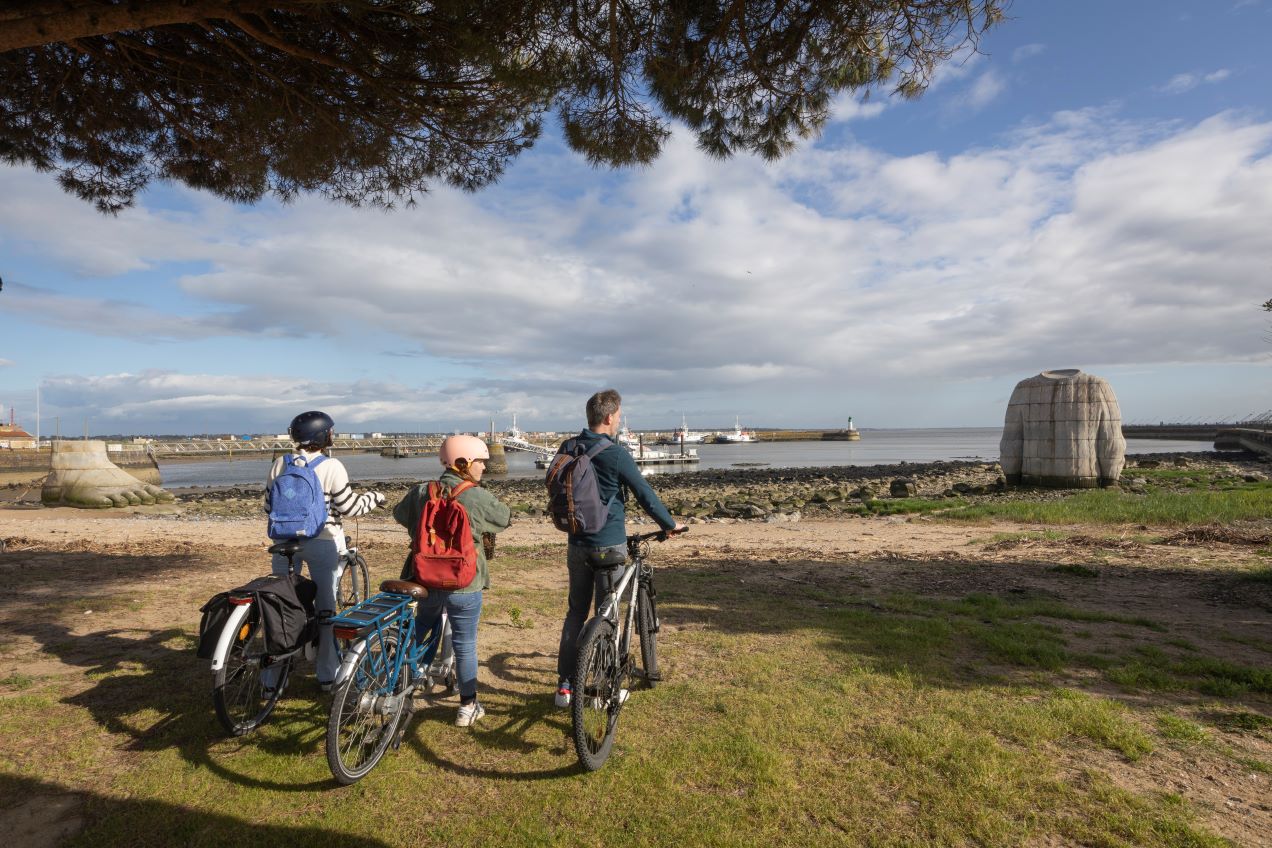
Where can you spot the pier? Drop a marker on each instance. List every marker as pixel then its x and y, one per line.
pixel 1244 438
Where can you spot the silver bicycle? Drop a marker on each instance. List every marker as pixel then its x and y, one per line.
pixel 606 663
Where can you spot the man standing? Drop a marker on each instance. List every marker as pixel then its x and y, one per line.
pixel 594 559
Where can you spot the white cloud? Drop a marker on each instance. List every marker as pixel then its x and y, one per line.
pixel 4 362
pixel 983 90
pixel 1086 240
pixel 1027 51
pixel 157 399
pixel 1181 83
pixel 850 107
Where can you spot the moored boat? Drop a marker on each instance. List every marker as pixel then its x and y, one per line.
pixel 738 436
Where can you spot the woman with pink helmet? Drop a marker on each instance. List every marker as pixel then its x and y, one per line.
pixel 463 460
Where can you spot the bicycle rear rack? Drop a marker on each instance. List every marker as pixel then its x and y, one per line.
pixel 369 615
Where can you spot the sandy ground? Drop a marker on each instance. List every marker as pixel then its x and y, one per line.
pixel 1189 584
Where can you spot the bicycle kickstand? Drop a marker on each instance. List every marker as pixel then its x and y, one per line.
pixel 403 724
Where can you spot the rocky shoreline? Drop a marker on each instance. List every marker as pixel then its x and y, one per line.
pixel 784 494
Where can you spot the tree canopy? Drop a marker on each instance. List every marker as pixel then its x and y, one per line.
pixel 370 101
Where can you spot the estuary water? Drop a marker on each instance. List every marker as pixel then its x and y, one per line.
pixel 877 447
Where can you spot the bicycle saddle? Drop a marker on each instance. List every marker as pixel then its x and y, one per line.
pixel 405 587
pixel 287 548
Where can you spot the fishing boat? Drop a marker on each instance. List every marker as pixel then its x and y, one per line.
pixel 738 436
pixel 684 436
pixel 644 456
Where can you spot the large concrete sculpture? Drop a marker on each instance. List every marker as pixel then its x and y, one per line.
pixel 83 476
pixel 1064 430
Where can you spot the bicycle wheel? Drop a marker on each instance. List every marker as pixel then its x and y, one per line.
pixel 238 693
pixel 354 583
pixel 597 683
pixel 647 628
pixel 365 713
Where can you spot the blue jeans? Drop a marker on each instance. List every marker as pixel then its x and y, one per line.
pixel 323 559
pixel 464 609
pixel 589 583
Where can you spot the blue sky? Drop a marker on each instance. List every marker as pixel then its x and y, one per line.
pixel 1094 190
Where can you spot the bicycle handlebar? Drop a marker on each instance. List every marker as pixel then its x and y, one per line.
pixel 659 535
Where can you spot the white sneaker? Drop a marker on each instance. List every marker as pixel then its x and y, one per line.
pixel 563 696
pixel 622 696
pixel 469 713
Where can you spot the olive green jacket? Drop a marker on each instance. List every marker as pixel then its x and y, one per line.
pixel 486 514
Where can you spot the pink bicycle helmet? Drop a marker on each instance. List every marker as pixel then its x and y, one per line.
pixel 467 448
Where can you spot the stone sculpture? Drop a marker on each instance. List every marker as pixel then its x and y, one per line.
pixel 83 476
pixel 1063 430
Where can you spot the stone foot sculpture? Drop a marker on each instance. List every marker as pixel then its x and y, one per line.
pixel 83 476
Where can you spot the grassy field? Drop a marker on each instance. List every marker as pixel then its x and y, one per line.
pixel 1169 498
pixel 806 703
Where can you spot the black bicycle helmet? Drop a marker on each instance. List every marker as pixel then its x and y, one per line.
pixel 312 428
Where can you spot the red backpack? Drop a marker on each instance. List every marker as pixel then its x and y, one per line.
pixel 443 555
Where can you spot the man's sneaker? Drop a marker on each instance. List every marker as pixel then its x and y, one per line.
pixel 469 713
pixel 563 695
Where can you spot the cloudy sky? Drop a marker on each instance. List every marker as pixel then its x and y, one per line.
pixel 1094 191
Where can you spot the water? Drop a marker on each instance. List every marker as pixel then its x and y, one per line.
pixel 877 447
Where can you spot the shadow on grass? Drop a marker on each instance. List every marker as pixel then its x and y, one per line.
pixel 146 685
pixel 38 813
pixel 138 674
pixel 972 624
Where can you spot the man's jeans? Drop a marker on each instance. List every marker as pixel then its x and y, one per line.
pixel 464 609
pixel 588 583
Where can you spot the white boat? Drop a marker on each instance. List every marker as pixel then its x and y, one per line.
pixel 684 436
pixel 738 435
pixel 644 456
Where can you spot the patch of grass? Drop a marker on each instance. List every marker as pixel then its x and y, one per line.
pixel 1240 721
pixel 1105 506
pixel 905 506
pixel 18 681
pixel 1259 575
pixel 1253 764
pixel 997 608
pixel 1180 729
pixel 1154 669
pixel 1075 570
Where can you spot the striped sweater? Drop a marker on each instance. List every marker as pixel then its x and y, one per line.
pixel 342 502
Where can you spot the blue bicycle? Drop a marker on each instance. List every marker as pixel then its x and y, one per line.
pixel 383 667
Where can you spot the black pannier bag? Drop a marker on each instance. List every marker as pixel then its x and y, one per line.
pixel 285 604
pixel 215 613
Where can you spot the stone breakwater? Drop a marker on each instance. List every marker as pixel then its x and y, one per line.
pixel 774 494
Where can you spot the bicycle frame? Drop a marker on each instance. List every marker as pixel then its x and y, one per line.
pixel 372 620
pixel 609 609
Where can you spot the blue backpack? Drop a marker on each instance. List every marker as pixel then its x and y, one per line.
pixel 297 508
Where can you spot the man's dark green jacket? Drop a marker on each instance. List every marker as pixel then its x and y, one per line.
pixel 618 474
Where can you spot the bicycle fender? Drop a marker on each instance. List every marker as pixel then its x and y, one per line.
pixel 349 662
pixel 232 625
